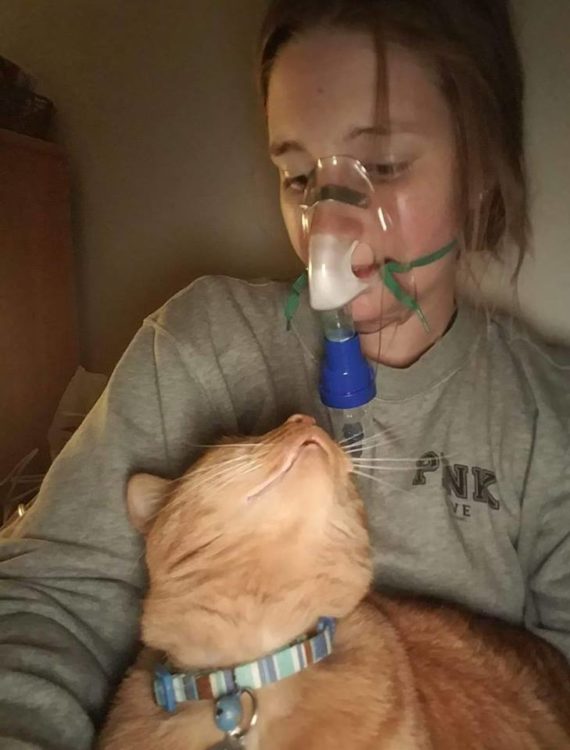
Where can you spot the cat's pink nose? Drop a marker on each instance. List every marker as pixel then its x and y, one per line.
pixel 301 419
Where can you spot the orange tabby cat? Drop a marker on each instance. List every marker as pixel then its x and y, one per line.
pixel 247 551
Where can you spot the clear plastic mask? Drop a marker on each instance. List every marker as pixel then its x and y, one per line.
pixel 346 231
pixel 355 235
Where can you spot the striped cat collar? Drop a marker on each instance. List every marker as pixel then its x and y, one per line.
pixel 171 689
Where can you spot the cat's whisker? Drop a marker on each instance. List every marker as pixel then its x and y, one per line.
pixel 385 468
pixel 234 475
pixel 223 472
pixel 382 482
pixel 226 473
pixel 446 456
pixel 196 481
pixel 236 471
pixel 362 445
pixel 373 436
pixel 389 432
pixel 230 462
pixel 367 439
pixel 364 441
pixel 226 445
pixel 386 460
pixel 346 440
pixel 226 463
pixel 263 442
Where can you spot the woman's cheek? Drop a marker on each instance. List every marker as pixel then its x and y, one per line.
pixel 427 217
pixel 292 217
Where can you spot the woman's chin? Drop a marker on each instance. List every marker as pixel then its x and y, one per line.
pixel 372 319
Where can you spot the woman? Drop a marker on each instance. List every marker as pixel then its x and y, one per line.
pixel 429 98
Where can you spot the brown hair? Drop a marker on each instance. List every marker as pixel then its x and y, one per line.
pixel 471 46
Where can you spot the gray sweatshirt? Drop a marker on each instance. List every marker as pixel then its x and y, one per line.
pixel 477 513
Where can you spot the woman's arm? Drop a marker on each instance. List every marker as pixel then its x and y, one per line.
pixel 548 600
pixel 71 571
pixel 544 539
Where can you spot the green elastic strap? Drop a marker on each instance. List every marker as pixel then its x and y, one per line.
pixel 387 274
pixel 389 269
pixel 292 302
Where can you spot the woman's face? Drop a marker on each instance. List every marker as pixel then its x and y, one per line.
pixel 322 102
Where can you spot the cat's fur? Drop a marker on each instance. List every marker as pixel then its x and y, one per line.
pixel 255 543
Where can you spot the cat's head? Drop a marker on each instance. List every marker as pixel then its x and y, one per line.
pixel 260 538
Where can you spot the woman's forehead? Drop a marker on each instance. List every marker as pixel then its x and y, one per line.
pixel 323 89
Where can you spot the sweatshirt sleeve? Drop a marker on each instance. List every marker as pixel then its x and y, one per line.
pixel 545 540
pixel 71 571
pixel 548 600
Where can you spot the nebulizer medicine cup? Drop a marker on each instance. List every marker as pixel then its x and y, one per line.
pixel 337 230
pixel 357 232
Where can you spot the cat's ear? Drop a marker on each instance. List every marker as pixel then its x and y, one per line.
pixel 146 494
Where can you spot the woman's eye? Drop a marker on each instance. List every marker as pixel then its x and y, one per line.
pixel 387 171
pixel 297 184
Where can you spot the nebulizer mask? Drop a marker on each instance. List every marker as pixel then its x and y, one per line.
pixel 352 232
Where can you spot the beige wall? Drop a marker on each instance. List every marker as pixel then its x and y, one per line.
pixel 545 281
pixel 159 116
pixel 158 111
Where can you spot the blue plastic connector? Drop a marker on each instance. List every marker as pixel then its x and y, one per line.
pixel 347 380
